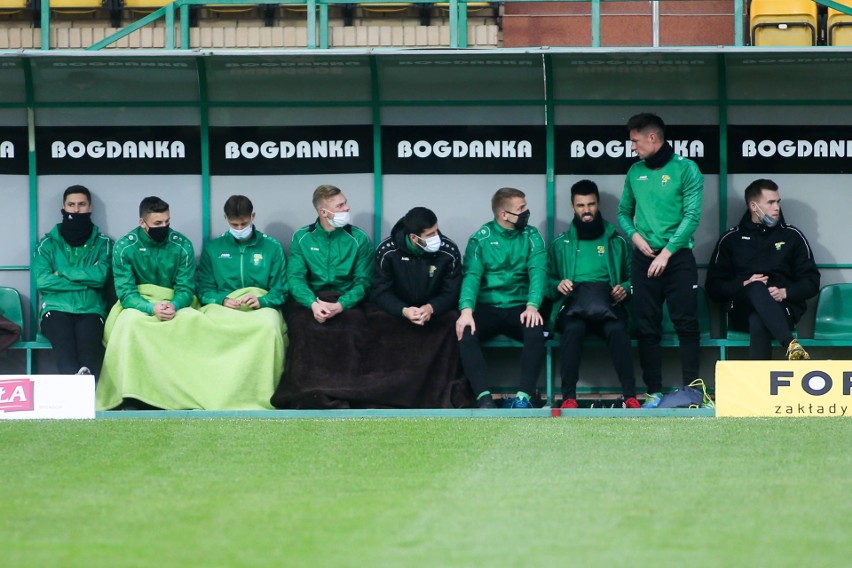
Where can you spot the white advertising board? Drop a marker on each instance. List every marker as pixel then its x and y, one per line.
pixel 47 396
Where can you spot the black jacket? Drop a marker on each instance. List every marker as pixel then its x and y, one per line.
pixel 782 253
pixel 402 279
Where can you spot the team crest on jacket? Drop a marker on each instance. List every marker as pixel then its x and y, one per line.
pixel 779 244
pixel 666 179
pixel 432 269
pixel 257 258
pixel 601 250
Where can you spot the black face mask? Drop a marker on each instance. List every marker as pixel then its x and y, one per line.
pixel 522 220
pixel 158 234
pixel 76 228
pixel 589 231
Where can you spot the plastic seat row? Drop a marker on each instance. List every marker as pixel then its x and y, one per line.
pixel 797 23
pixel 71 6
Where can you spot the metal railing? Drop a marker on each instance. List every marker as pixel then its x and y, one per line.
pixel 317 31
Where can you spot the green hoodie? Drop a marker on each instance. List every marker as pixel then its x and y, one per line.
pixel 227 265
pixel 562 256
pixel 504 268
pixel 71 279
pixel 340 260
pixel 666 203
pixel 138 259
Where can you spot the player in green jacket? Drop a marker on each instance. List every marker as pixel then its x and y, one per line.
pixel 590 258
pixel 71 266
pixel 242 258
pixel 505 272
pixel 329 273
pixel 330 255
pixel 153 253
pixel 659 211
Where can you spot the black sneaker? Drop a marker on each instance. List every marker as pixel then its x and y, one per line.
pixel 486 401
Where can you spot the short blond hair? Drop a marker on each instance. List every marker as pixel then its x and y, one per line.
pixel 503 195
pixel 324 192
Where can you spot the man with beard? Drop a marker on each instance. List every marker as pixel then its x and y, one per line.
pixel 416 285
pixel 659 211
pixel 71 265
pixel 589 276
pixel 763 270
pixel 505 272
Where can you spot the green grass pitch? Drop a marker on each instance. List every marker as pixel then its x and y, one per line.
pixel 427 492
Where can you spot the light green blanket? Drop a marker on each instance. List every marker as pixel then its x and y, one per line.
pixel 213 358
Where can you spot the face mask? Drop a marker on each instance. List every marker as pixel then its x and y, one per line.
pixel 521 221
pixel 433 243
pixel 76 228
pixel 241 234
pixel 158 234
pixel 766 219
pixel 340 219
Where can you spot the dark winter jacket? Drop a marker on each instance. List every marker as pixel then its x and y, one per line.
pixel 782 253
pixel 404 278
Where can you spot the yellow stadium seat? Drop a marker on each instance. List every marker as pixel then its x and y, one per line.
pixel 12 6
pixel 76 6
pixel 783 22
pixel 145 4
pixel 385 7
pixel 231 8
pixel 839 25
pixel 471 6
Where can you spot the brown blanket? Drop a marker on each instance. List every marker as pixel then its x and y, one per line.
pixel 366 358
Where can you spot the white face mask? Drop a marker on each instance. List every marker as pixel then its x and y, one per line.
pixel 433 243
pixel 241 234
pixel 340 219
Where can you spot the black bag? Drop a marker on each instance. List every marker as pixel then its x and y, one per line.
pixel 590 301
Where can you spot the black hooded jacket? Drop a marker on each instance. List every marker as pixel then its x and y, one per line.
pixel 782 253
pixel 402 278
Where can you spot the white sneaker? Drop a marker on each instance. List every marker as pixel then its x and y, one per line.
pixel 84 371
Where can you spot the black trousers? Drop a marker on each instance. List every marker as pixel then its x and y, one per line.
pixel 617 337
pixel 765 319
pixel 678 287
pixel 77 340
pixel 491 321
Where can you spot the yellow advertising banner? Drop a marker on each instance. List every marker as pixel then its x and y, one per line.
pixel 784 388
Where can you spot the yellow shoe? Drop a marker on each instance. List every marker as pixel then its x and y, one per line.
pixel 796 352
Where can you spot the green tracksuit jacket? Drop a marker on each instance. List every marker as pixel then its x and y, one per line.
pixel 340 260
pixel 80 273
pixel 227 265
pixel 562 262
pixel 138 259
pixel 666 203
pixel 504 268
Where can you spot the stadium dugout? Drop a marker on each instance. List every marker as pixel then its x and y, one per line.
pixel 441 128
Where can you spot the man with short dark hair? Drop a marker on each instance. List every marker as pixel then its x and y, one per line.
pixel 505 272
pixel 589 281
pixel 329 274
pixel 242 283
pixel 240 259
pixel 414 361
pixel 152 359
pixel 71 266
pixel 659 211
pixel 154 253
pixel 763 271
